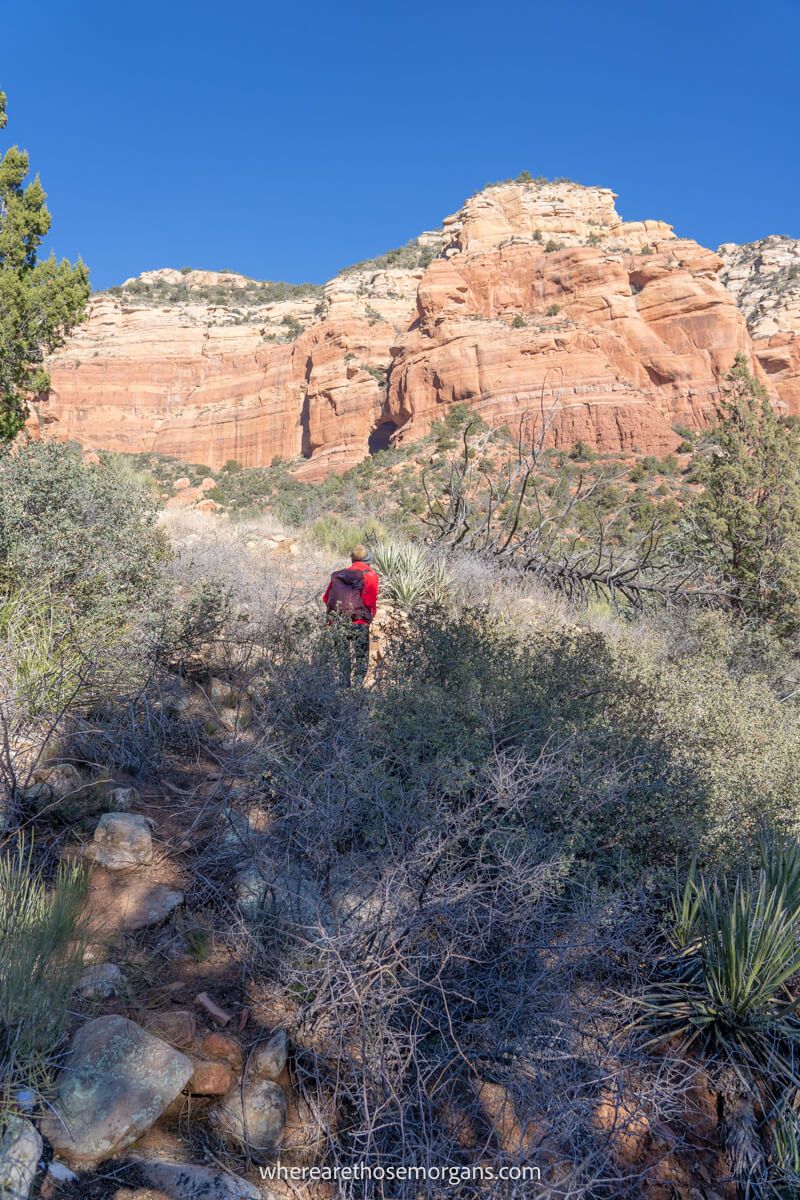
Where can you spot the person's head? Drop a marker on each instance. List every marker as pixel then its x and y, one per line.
pixel 358 554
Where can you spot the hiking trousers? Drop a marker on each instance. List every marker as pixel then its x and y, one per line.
pixel 354 654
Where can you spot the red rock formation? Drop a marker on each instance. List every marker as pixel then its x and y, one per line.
pixel 541 301
pixel 613 349
pixel 765 278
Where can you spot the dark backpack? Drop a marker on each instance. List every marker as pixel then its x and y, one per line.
pixel 345 595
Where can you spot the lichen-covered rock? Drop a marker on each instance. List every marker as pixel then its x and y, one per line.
pixel 268 1060
pixel 175 1025
pixel 67 795
pixel 123 799
pixel 251 890
pixel 20 1148
pixel 182 1181
pixel 252 1117
pixel 116 1081
pixel 122 839
pixel 101 980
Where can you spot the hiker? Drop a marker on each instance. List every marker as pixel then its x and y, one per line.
pixel 352 596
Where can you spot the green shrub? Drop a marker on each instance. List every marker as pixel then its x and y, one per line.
pixel 41 956
pixel 745 523
pixel 580 452
pixel 336 534
pixel 518 322
pixel 85 531
pixel 552 310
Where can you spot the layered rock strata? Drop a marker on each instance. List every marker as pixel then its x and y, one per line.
pixel 535 304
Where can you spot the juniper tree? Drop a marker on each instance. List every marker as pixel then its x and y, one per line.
pixel 746 520
pixel 40 302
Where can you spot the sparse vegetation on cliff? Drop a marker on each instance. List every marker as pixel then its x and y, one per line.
pixel 413 256
pixel 251 294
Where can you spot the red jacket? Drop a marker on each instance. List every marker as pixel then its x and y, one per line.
pixel 369 593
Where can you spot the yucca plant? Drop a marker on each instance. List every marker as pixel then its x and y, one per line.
pixel 41 955
pixel 780 862
pixel 410 576
pixel 733 950
pixel 784 1172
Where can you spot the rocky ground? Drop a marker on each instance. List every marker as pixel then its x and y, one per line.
pixel 171 1050
pixel 177 1079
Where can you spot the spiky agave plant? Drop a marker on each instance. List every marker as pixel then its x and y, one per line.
pixel 733 948
pixel 410 575
pixel 784 1172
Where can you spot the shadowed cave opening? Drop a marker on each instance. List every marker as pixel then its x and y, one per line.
pixel 381 436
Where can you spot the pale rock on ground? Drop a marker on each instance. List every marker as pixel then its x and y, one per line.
pixel 269 1059
pixel 123 799
pixel 253 1114
pixel 116 1081
pixel 176 1026
pixel 122 902
pixel 181 1181
pixel 122 839
pixel 100 981
pixel 20 1149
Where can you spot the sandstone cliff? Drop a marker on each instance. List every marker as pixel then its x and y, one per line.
pixel 534 301
pixel 764 277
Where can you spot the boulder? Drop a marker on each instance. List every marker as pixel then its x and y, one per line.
pixel 101 980
pixel 123 799
pixel 122 839
pixel 20 1149
pixel 210 1079
pixel 67 794
pixel 181 1181
pixel 252 1117
pixel 269 1059
pixel 176 1026
pixel 251 891
pixel 122 902
pixel 221 1047
pixel 116 1081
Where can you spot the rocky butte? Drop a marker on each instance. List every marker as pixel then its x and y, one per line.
pixel 535 302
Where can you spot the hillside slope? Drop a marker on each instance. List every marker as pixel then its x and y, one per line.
pixel 535 298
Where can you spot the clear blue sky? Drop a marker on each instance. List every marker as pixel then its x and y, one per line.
pixel 287 140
